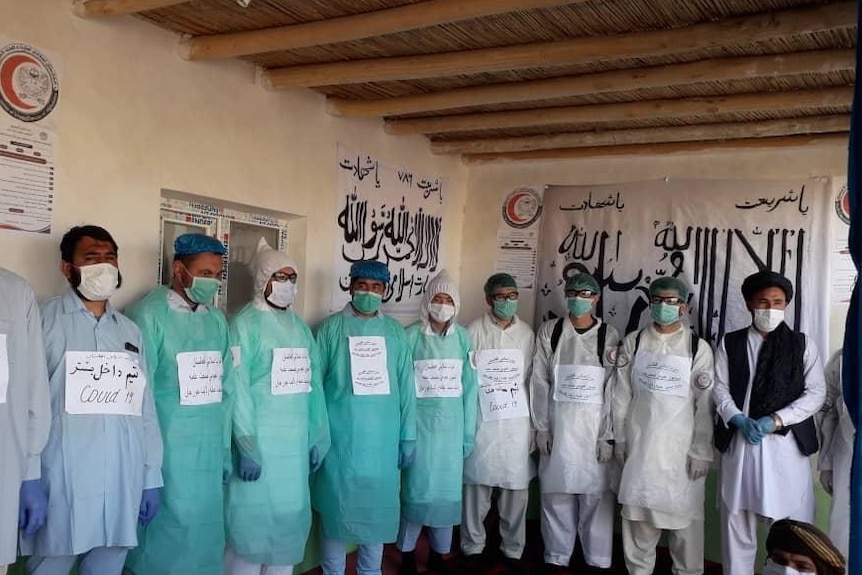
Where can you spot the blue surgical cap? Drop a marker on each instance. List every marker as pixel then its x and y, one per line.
pixel 370 270
pixel 194 244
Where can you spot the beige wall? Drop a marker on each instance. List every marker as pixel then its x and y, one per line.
pixel 134 118
pixel 488 183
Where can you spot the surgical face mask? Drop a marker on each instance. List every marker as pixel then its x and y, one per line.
pixel 773 568
pixel 664 314
pixel 441 312
pixel 282 294
pixel 505 309
pixel 766 320
pixel 579 306
pixel 367 301
pixel 203 290
pixel 98 281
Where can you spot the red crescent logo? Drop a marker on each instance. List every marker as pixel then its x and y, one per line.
pixel 7 73
pixel 512 204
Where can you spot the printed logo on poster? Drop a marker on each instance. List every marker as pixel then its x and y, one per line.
pixel 28 83
pixel 842 205
pixel 522 207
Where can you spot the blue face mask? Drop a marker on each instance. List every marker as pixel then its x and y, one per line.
pixel 579 306
pixel 505 309
pixel 366 301
pixel 664 314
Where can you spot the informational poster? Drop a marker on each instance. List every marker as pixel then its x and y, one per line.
pixel 711 234
pixel 200 374
pixel 438 378
pixel 843 271
pixel 501 384
pixel 518 235
pixel 291 371
pixel 389 214
pixel 103 382
pixel 368 367
pixel 29 94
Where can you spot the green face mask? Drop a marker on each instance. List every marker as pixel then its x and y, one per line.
pixel 505 309
pixel 664 314
pixel 203 290
pixel 579 306
pixel 366 301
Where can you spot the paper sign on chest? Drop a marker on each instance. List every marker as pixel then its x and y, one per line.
pixel 662 374
pixel 501 384
pixel 579 384
pixel 200 375
pixel 103 383
pixel 437 378
pixel 291 371
pixel 368 370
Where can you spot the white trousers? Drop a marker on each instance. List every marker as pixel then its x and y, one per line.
pixel 3 569
pixel 236 565
pixel 512 507
pixel 440 538
pixel 566 516
pixel 686 547
pixel 96 561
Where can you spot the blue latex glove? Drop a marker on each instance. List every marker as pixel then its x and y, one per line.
pixel 406 454
pixel 749 428
pixel 249 469
pixel 151 500
pixel 314 460
pixel 32 507
pixel 767 424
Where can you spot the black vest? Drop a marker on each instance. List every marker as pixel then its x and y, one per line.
pixel 736 344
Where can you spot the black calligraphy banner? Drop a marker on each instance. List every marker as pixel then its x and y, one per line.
pixel 709 233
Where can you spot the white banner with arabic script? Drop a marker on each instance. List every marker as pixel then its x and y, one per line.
pixel 709 233
pixel 392 215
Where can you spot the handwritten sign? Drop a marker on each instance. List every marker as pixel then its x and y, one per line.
pixel 662 374
pixel 437 378
pixel 368 365
pixel 291 371
pixel 579 384
pixel 200 375
pixel 4 368
pixel 103 383
pixel 501 384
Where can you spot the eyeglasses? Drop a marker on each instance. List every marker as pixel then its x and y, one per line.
pixel 584 293
pixel 282 277
pixel 670 300
pixel 512 296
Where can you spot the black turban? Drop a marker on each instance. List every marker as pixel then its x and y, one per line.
pixel 766 279
pixel 802 538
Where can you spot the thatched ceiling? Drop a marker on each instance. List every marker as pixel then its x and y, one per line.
pixel 534 78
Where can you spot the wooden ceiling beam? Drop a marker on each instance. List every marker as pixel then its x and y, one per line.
pixel 817 140
pixel 694 133
pixel 626 111
pixel 716 70
pixel 354 27
pixel 105 8
pixel 653 43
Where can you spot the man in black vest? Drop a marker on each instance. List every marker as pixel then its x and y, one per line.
pixel 769 384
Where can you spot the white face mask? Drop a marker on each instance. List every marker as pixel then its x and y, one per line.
pixel 766 320
pixel 773 568
pixel 98 281
pixel 282 294
pixel 441 312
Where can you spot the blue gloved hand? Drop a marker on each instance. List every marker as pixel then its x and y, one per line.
pixel 406 453
pixel 314 460
pixel 749 428
pixel 767 424
pixel 32 507
pixel 151 500
pixel 249 469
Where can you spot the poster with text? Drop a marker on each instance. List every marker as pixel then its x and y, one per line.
pixel 518 235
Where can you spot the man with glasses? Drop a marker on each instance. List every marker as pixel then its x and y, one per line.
pixel 571 409
pixel 662 413
pixel 503 353
pixel 769 385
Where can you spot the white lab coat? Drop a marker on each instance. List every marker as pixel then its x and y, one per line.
pixel 661 431
pixel 572 466
pixel 772 478
pixel 501 453
pixel 837 437
pixel 25 417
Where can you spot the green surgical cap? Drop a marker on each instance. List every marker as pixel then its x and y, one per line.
pixel 583 281
pixel 498 281
pixel 669 284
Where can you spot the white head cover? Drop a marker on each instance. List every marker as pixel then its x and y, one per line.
pixel 266 262
pixel 441 283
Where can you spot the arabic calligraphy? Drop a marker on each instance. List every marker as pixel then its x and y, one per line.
pixel 588 204
pixel 200 377
pixel 437 378
pixel 291 371
pixel 101 382
pixel 772 204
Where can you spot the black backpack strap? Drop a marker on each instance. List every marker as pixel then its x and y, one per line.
pixel 603 334
pixel 695 341
pixel 557 334
pixel 637 342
